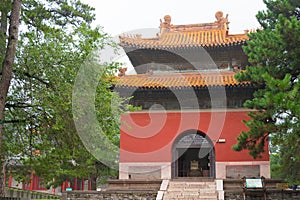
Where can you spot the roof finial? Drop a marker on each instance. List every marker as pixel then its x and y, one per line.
pixel 122 71
pixel 166 24
pixel 221 21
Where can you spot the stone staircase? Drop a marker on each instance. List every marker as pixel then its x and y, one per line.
pixel 191 189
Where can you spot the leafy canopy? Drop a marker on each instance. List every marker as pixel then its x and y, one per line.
pixel 40 135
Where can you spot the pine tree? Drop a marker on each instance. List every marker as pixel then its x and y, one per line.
pixel 273 53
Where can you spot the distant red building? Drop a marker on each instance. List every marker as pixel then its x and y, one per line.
pixel 36 183
pixel 192 106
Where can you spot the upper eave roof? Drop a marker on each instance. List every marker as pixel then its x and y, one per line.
pixel 191 35
pixel 185 39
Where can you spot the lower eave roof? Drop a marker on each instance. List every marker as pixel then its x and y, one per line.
pixel 180 80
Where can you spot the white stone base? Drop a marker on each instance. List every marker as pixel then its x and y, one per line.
pixel 163 170
pixel 147 170
pixel 264 167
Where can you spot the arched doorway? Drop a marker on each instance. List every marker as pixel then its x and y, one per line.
pixel 193 155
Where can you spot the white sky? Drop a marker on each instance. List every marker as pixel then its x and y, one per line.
pixel 119 16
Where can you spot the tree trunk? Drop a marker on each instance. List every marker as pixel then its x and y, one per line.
pixel 93 182
pixel 6 77
pixel 3 30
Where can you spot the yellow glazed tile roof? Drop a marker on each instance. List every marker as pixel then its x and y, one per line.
pixel 191 35
pixel 185 39
pixel 180 80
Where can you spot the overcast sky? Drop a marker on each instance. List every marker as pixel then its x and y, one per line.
pixel 119 16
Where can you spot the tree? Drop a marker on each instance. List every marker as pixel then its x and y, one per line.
pixel 7 65
pixel 273 54
pixel 40 132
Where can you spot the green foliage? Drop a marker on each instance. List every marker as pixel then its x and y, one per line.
pixel 56 38
pixel 275 69
pixel 276 166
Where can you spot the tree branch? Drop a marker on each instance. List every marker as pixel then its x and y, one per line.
pixel 18 105
pixel 14 121
pixel 37 78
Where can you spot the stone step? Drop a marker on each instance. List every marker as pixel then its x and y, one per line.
pixel 192 197
pixel 203 190
pixel 191 185
pixel 208 190
pixel 197 187
pixel 192 193
pixel 166 196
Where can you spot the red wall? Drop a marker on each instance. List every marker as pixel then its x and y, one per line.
pixel 148 137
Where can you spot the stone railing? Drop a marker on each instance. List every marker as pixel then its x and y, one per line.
pixel 131 184
pixel 16 193
pixel 119 190
pixel 233 190
pixel 272 194
pixel 111 194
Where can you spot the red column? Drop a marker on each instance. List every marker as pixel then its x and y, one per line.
pixel 75 184
pixel 10 180
pixel 64 186
pixel 89 185
pixel 31 185
pixel 53 188
pixel 82 184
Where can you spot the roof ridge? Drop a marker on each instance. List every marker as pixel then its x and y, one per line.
pixel 176 74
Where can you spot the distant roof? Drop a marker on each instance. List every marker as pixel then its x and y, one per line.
pixel 180 80
pixel 190 35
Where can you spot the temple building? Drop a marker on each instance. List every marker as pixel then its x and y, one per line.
pixel 192 106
